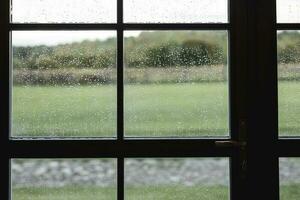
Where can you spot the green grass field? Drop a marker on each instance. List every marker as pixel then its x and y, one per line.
pixel 187 109
pixel 131 193
pixel 64 193
pixel 290 192
pixel 287 192
pixel 289 108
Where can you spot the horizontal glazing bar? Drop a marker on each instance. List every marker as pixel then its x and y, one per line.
pixel 113 148
pixel 288 26
pixel 288 147
pixel 119 26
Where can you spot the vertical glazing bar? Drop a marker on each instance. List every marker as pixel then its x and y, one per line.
pixel 5 97
pixel 120 96
pixel 120 178
pixel 120 85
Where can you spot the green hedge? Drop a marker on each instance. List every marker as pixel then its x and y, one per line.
pixel 74 76
pixel 149 49
pixel 168 54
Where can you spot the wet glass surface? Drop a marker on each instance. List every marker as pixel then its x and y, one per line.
pixel 177 178
pixel 176 84
pixel 288 11
pixel 170 11
pixel 55 179
pixel 289 82
pixel 64 84
pixel 64 11
pixel 289 171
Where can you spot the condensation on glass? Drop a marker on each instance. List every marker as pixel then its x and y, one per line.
pixel 289 171
pixel 64 11
pixel 177 178
pixel 176 83
pixel 288 11
pixel 289 82
pixel 54 179
pixel 170 11
pixel 64 84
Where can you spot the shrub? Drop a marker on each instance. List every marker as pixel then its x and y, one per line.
pixel 289 54
pixel 162 55
pixel 197 52
pixel 172 54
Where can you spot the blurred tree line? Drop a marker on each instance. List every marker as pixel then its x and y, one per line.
pixel 149 49
pixel 85 54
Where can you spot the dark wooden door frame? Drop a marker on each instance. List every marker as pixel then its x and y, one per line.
pixel 253 105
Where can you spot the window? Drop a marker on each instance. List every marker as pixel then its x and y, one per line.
pixel 288 100
pixel 131 99
pixel 58 88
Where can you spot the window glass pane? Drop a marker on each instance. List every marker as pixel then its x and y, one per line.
pixel 177 179
pixel 289 178
pixel 176 83
pixel 289 82
pixel 53 179
pixel 64 83
pixel 288 11
pixel 170 11
pixel 64 11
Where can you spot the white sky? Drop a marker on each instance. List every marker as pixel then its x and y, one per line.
pixel 30 38
pixel 288 11
pixel 104 11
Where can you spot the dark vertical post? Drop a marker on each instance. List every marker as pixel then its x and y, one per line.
pixel 5 98
pixel 237 83
pixel 120 96
pixel 262 95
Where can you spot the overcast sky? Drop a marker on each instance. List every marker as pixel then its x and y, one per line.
pixel 29 38
pixel 104 11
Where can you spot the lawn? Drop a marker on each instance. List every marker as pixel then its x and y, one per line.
pixel 64 111
pixel 64 193
pixel 289 108
pixel 186 109
pixel 288 192
pixel 132 193
pixel 153 110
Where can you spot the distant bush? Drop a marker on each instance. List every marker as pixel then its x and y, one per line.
pixel 172 54
pixel 162 55
pixel 289 53
pixel 197 52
